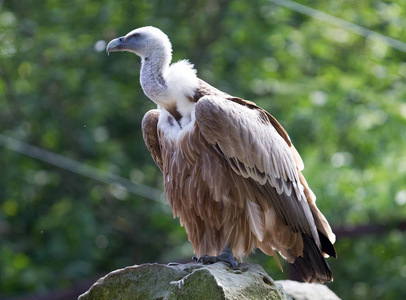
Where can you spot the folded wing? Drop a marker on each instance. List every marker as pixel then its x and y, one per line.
pixel 257 148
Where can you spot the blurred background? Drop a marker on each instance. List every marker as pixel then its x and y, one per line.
pixel 80 195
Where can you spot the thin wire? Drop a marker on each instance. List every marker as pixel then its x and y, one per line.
pixel 362 31
pixel 80 168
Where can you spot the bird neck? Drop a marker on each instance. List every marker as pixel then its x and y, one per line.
pixel 152 79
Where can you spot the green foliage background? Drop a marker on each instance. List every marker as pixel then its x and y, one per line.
pixel 341 98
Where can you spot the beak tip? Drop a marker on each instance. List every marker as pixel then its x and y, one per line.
pixel 114 45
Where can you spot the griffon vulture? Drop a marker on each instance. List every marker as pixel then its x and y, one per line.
pixel 231 173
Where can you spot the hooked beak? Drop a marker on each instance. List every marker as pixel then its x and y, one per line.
pixel 116 45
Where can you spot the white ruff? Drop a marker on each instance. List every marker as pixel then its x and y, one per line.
pixel 182 82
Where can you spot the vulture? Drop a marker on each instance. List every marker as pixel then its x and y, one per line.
pixel 231 173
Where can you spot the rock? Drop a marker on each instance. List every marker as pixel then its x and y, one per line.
pixel 197 281
pixel 304 291
pixel 188 281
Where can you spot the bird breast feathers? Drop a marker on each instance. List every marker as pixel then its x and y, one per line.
pixel 172 130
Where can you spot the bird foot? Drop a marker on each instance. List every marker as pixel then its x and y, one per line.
pixel 225 256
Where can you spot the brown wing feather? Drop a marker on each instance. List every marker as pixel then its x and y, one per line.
pixel 150 135
pixel 254 150
pixel 256 147
pixel 271 119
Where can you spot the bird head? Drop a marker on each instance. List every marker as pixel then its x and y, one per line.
pixel 144 42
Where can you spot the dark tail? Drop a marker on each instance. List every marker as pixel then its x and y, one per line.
pixel 312 265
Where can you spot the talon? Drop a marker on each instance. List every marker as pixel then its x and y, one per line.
pixel 234 263
pixel 225 256
pixel 205 259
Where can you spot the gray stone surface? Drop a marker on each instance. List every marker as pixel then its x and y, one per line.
pixel 189 281
pixel 304 291
pixel 197 281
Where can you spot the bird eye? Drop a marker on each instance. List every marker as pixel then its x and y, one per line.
pixel 136 35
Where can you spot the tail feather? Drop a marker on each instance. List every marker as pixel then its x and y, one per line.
pixel 312 265
pixel 326 245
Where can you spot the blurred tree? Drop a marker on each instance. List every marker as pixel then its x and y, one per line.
pixel 340 96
